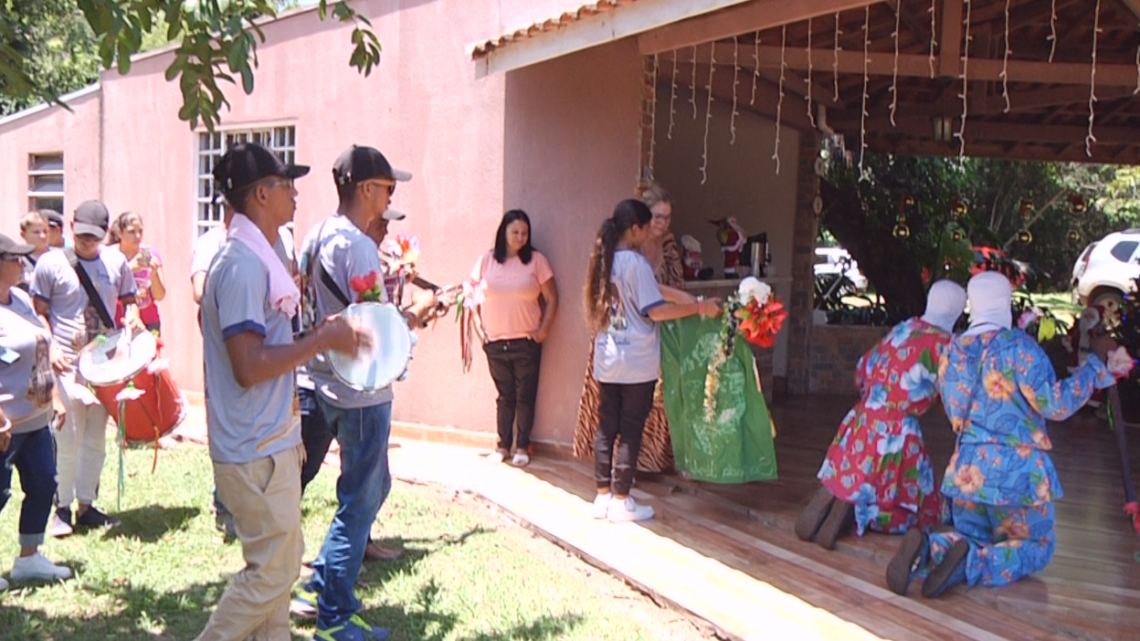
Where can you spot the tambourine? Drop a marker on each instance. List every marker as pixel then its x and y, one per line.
pixel 387 360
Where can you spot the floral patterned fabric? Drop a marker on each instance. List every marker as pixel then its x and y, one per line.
pixel 1006 543
pixel 998 389
pixel 878 461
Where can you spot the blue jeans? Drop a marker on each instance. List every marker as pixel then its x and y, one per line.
pixel 31 454
pixel 363 486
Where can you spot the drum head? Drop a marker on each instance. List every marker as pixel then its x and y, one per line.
pixel 116 357
pixel 377 368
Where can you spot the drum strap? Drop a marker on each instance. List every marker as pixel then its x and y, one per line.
pixel 316 266
pixel 89 287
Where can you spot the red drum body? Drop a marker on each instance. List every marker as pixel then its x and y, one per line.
pixel 120 361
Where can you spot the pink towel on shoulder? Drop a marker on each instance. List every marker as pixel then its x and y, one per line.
pixel 283 291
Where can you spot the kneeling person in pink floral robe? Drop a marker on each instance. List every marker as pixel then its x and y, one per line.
pixel 877 473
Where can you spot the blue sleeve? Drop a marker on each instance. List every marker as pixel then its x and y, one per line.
pixel 645 288
pixel 361 259
pixel 240 296
pixel 127 285
pixel 1056 400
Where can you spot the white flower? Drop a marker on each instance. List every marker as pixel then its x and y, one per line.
pixel 752 288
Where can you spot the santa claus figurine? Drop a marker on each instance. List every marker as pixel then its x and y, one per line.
pixel 731 238
pixel 691 261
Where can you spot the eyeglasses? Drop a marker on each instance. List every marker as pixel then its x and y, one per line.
pixel 390 185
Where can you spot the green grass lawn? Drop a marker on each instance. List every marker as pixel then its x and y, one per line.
pixel 468 572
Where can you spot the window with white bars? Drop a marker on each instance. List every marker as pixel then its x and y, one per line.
pixel 282 141
pixel 45 182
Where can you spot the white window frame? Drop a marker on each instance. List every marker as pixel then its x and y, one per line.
pixel 36 196
pixel 280 138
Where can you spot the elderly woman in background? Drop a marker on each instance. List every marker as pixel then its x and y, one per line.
pixel 664 256
pixel 145 263
pixel 27 395
pixel 520 300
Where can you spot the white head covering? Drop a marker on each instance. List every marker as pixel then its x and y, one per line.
pixel 989 294
pixel 944 304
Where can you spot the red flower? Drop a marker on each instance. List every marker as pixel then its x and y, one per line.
pixel 760 324
pixel 365 287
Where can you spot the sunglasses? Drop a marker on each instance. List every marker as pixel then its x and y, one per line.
pixel 390 185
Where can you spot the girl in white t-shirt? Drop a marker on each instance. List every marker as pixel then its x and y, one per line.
pixel 623 306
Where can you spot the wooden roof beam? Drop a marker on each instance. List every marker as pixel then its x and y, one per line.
pixel 986 131
pixel 726 23
pixel 1133 6
pixel 950 39
pixel 912 23
pixel 767 94
pixel 1072 153
pixel 918 65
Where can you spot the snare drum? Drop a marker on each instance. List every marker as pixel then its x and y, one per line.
pixel 387 360
pixel 110 363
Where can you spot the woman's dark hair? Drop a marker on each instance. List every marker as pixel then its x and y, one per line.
pixel 501 237
pixel 599 295
pixel 114 234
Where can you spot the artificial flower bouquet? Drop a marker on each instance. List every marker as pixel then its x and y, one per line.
pixel 368 289
pixel 752 312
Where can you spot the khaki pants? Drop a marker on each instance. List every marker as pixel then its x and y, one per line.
pixel 265 498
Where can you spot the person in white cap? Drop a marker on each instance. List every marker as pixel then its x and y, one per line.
pixel 877 473
pixel 998 387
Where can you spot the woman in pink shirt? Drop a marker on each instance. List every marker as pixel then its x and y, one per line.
pixel 146 265
pixel 519 303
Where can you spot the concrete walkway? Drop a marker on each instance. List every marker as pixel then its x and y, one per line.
pixel 736 604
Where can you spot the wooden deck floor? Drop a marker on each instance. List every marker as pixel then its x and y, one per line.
pixel 1091 591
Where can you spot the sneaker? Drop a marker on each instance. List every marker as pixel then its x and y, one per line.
pixel 376 552
pixel 37 566
pixel 521 459
pixel 94 517
pixel 61 523
pixel 602 505
pixel 628 510
pixel 357 629
pixel 498 456
pixel 304 603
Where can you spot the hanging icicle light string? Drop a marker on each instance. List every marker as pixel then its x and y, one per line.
pixel 961 135
pixel 808 81
pixel 895 72
pixel 863 173
pixel 1005 62
pixel 780 100
pixel 933 30
pixel 693 96
pixel 835 59
pixel 673 98
pixel 735 83
pixel 1053 30
pixel 755 68
pixel 708 109
pixel 1090 138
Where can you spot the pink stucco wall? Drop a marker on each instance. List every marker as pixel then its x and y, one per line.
pixel 558 139
pixel 51 130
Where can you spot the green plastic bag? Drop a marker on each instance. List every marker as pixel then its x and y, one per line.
pixel 737 446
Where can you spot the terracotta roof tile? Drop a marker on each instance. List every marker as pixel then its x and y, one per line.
pixel 583 12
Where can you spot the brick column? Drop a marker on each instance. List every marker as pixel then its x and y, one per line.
pixel 803 277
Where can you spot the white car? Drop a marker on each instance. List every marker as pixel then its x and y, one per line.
pixel 836 260
pixel 1106 270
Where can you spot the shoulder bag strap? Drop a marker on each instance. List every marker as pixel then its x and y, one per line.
pixel 319 269
pixel 89 287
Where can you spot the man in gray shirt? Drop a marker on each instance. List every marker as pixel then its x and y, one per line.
pixel 252 418
pixel 360 420
pixel 76 319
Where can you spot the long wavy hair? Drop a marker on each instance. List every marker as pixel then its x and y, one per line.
pixel 599 295
pixel 501 237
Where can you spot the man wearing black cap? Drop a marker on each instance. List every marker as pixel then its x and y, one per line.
pixel 333 253
pixel 55 228
pixel 251 413
pixel 75 291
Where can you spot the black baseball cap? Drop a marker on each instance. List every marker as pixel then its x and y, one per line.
pixel 246 163
pixel 53 217
pixel 9 246
pixel 358 164
pixel 91 219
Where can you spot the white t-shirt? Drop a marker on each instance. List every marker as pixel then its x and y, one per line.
pixel 629 350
